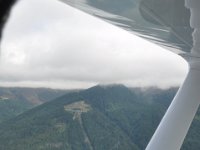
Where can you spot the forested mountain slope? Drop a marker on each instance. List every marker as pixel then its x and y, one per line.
pixel 14 101
pixel 99 118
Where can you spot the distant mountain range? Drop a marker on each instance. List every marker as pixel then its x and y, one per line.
pixel 14 101
pixel 99 118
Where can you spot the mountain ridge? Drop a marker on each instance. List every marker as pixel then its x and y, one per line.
pixel 115 117
pixel 14 101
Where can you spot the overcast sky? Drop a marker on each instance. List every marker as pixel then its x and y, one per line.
pixel 49 44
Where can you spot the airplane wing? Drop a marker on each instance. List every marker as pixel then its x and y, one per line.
pixel 167 23
pixel 164 22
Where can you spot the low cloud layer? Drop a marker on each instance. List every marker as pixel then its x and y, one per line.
pixel 49 44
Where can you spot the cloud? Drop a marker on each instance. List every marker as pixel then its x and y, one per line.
pixel 47 43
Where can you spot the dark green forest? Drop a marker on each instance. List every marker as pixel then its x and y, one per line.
pixel 99 118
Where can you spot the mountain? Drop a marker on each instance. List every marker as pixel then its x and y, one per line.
pixel 14 101
pixel 100 118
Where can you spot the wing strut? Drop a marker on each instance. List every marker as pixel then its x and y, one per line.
pixel 174 126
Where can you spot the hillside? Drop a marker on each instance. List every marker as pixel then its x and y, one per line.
pixel 14 101
pixel 100 118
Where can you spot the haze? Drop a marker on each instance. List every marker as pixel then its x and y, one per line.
pixel 49 44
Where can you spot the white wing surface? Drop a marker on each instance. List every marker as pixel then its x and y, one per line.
pixel 175 25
